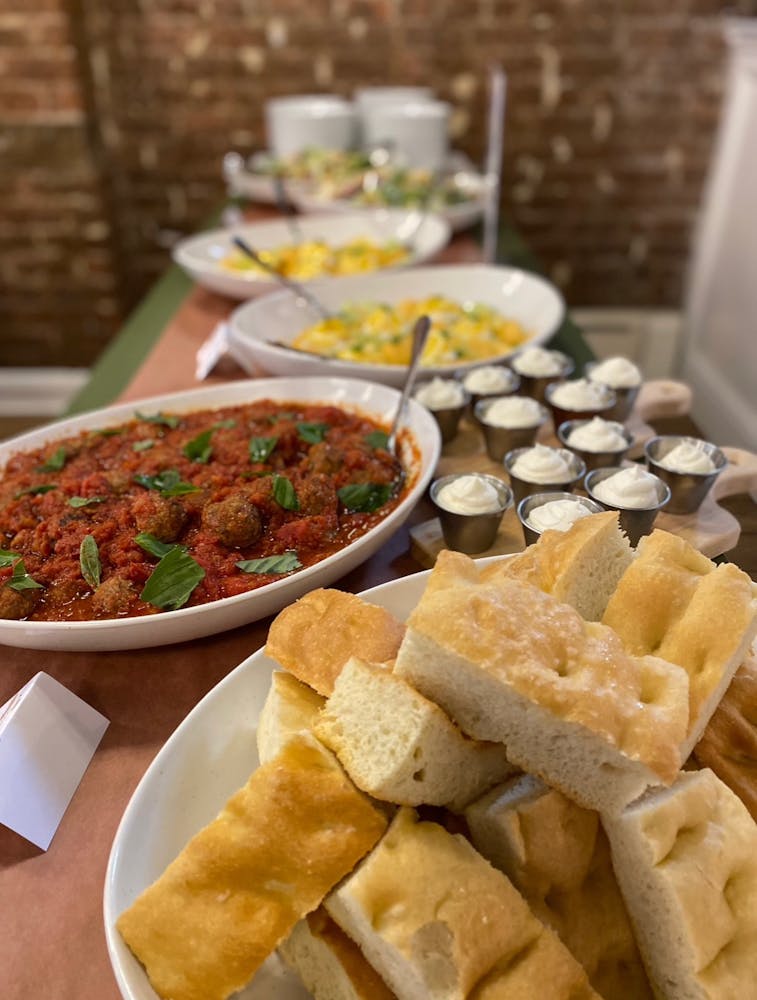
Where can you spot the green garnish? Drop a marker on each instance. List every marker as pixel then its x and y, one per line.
pixel 284 494
pixel 89 560
pixel 312 433
pixel 55 462
pixel 199 449
pixel 377 439
pixel 164 419
pixel 225 424
pixel 84 501
pixel 171 583
pixel 154 545
pixel 261 448
pixel 276 417
pixel 364 497
pixel 33 491
pixel 144 445
pixel 169 483
pixel 20 579
pixel 271 564
pixel 108 432
pixel 7 558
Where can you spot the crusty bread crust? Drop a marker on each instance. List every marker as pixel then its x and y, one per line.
pixel 314 637
pixel 290 707
pixel 240 885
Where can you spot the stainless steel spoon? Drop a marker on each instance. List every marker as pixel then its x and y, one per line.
pixel 293 286
pixel 420 335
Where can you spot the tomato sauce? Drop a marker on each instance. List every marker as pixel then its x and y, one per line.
pixel 214 488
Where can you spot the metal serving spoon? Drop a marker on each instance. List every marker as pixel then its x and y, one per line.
pixel 293 286
pixel 420 334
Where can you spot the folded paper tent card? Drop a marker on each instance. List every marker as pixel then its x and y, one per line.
pixel 47 738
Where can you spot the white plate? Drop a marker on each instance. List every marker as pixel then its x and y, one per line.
pixel 255 328
pixel 204 762
pixel 374 400
pixel 201 255
pixel 459 217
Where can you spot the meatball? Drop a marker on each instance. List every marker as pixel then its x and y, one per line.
pixel 235 521
pixel 162 517
pixel 325 458
pixel 113 597
pixel 317 495
pixel 17 604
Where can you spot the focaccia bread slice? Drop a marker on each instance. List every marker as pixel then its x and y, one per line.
pixel 580 566
pixel 557 856
pixel 240 885
pixel 400 747
pixel 675 603
pixel 509 663
pixel 291 707
pixel 329 963
pixel 314 637
pixel 729 743
pixel 439 923
pixel 686 861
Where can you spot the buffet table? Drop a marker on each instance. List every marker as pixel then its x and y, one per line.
pixel 51 935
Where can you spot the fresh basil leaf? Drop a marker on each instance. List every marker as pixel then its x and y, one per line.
pixel 144 445
pixel 377 439
pixel 225 424
pixel 171 583
pixel 276 417
pixel 108 432
pixel 364 497
pixel 55 462
pixel 33 491
pixel 284 494
pixel 89 561
pixel 199 449
pixel 154 545
pixel 7 558
pixel 261 448
pixel 164 419
pixel 271 564
pixel 84 501
pixel 312 433
pixel 169 483
pixel 20 579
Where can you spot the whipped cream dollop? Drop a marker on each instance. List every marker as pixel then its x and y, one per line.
pixel 633 487
pixel 618 373
pixel 488 379
pixel 558 515
pixel 537 362
pixel 440 394
pixel 688 456
pixel 513 411
pixel 541 464
pixel 469 495
pixel 598 435
pixel 580 394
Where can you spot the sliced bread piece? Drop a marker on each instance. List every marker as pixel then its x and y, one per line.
pixel 675 603
pixel 686 861
pixel 556 855
pixel 509 663
pixel 400 747
pixel 314 637
pixel 240 885
pixel 439 923
pixel 290 707
pixel 729 743
pixel 580 567
pixel 329 963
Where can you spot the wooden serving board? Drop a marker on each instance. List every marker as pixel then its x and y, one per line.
pixel 712 529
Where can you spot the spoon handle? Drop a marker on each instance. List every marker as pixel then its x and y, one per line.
pixel 294 286
pixel 420 335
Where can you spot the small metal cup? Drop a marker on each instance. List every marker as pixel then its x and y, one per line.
pixel 512 386
pixel 593 459
pixel 560 415
pixel 471 533
pixel 625 396
pixel 635 521
pixel 448 418
pixel 530 503
pixel 687 489
pixel 536 385
pixel 500 440
pixel 522 488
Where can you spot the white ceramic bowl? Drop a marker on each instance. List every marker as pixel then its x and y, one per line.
pixel 371 97
pixel 417 133
pixel 257 328
pixel 377 401
pixel 298 122
pixel 200 256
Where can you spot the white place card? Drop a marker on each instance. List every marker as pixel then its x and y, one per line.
pixel 47 738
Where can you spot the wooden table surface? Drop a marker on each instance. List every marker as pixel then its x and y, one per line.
pixel 51 934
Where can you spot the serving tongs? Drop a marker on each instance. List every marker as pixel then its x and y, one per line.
pixel 294 287
pixel 420 335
